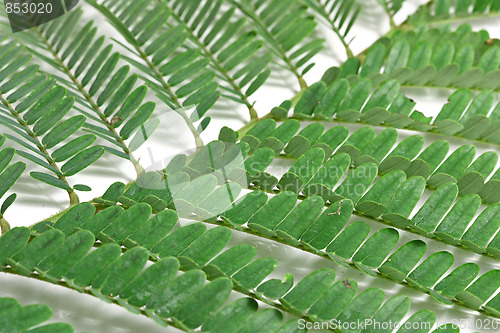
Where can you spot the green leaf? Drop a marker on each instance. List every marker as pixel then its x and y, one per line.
pixel 421 319
pixel 392 311
pixel 356 183
pixel 310 99
pixel 204 248
pixel 199 308
pixel 177 293
pixel 178 240
pixel 230 261
pixel 231 317
pixel 120 272
pixel 334 300
pixel 25 260
pixel 328 224
pixel 363 306
pixel 51 180
pixel 10 176
pixel 275 288
pixel 401 262
pixel 273 212
pixel 152 231
pixel 7 203
pixel 82 160
pixel 427 273
pixel 71 252
pixel 431 213
pixel 404 201
pixel 62 131
pixel 252 274
pixel 482 230
pixel 457 280
pixel 349 240
pixel 100 220
pixel 376 248
pixel 458 218
pixel 144 132
pixel 374 59
pixel 12 242
pixel 309 289
pixel 119 229
pixel 74 146
pixel 398 56
pixel 480 290
pixel 374 202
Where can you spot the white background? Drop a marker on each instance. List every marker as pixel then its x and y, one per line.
pixel 37 201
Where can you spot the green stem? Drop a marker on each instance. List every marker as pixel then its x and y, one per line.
pixel 219 67
pixel 166 86
pixel 324 13
pixel 340 121
pixel 383 4
pixel 73 199
pixel 273 42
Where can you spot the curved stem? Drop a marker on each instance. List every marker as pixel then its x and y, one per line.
pixel 324 13
pixel 325 255
pixel 275 44
pixel 166 86
pixel 218 66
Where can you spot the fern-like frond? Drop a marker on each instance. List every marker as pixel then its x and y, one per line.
pixel 165 59
pixel 441 11
pixel 340 15
pixel 354 100
pixel 17 318
pixel 220 43
pixel 107 97
pixel 460 168
pixel 286 29
pixel 196 250
pixel 316 172
pixel 33 108
pixel 323 231
pixel 326 234
pixel 432 57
